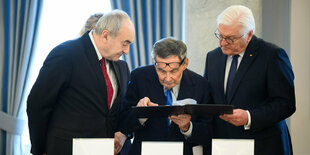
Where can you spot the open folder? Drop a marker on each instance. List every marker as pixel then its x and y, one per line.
pixel 192 109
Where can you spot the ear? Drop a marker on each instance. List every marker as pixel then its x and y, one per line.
pixel 185 64
pixel 105 34
pixel 250 35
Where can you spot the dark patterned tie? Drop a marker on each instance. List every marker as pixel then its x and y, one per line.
pixel 231 76
pixel 168 102
pixel 107 82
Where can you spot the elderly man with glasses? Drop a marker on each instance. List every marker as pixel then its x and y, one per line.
pixel 257 78
pixel 167 79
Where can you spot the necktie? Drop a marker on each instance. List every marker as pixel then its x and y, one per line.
pixel 107 81
pixel 231 76
pixel 168 102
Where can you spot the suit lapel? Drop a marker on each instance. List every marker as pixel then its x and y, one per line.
pixel 187 86
pixel 96 68
pixel 221 73
pixel 154 87
pixel 248 58
pixel 114 66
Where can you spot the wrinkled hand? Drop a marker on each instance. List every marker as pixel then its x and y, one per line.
pixel 146 102
pixel 119 140
pixel 183 121
pixel 238 118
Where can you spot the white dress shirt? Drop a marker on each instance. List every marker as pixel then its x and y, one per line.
pixel 110 71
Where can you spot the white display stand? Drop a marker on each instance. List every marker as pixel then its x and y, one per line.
pixel 162 148
pixel 233 146
pixel 93 146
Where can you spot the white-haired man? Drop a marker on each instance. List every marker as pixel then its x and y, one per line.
pixel 256 77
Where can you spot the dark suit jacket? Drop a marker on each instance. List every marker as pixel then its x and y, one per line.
pixel 263 85
pixel 69 98
pixel 144 82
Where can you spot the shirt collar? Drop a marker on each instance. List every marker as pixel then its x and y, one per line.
pixel 93 42
pixel 240 55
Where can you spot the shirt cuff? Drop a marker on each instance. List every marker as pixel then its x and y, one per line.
pixel 188 133
pixel 248 125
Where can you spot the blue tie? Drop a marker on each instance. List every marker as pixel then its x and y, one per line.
pixel 168 102
pixel 231 76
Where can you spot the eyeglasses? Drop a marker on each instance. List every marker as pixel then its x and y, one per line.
pixel 172 65
pixel 229 40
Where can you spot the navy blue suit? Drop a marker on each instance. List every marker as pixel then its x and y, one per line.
pixel 144 82
pixel 263 84
pixel 69 98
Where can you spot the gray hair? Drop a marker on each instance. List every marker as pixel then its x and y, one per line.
pixel 91 23
pixel 237 14
pixel 170 46
pixel 112 22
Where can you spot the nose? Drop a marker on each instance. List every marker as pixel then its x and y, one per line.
pixel 168 76
pixel 126 50
pixel 223 42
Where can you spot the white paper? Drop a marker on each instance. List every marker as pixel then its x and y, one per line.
pixel 233 146
pixel 185 101
pixel 162 148
pixel 93 146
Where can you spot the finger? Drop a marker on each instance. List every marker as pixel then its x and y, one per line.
pixel 145 100
pixel 117 150
pixel 151 104
pixel 223 118
pixel 174 116
pixel 140 103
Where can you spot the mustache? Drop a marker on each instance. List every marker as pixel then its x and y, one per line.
pixel 166 82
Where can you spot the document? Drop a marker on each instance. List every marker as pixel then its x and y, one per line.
pixel 176 109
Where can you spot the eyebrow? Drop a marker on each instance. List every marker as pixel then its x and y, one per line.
pixel 127 41
pixel 232 36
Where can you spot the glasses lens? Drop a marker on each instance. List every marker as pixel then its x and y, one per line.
pixel 220 37
pixel 174 65
pixel 160 64
pixel 229 40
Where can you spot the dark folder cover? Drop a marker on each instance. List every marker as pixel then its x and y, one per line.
pixel 192 109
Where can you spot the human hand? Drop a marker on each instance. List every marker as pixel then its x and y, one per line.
pixel 119 140
pixel 238 118
pixel 183 121
pixel 146 102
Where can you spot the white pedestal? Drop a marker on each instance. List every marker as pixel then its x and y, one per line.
pixel 233 146
pixel 93 146
pixel 162 148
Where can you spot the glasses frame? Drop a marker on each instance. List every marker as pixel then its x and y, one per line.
pixel 168 64
pixel 229 40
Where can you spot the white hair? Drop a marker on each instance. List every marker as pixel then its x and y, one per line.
pixel 237 14
pixel 111 21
